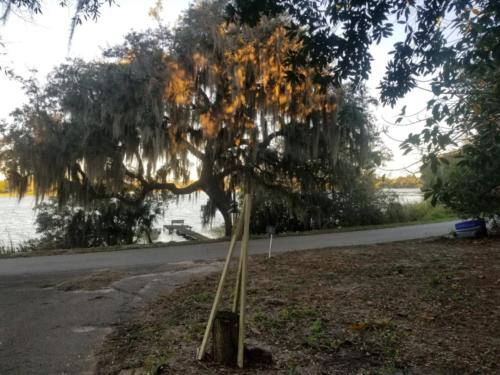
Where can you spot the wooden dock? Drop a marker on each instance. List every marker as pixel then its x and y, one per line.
pixel 190 234
pixel 184 230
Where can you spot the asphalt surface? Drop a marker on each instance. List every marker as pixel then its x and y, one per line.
pixel 45 330
pixel 209 251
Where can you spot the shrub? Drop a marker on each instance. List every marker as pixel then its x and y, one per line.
pixel 108 222
pixel 421 211
pixel 356 203
pixel 471 191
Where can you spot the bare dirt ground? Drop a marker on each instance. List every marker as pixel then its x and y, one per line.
pixel 420 307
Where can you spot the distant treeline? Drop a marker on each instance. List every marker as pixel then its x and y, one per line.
pixel 4 187
pixel 409 181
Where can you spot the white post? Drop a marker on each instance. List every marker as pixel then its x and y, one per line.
pixel 270 245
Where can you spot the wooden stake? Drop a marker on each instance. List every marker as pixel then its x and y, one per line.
pixel 218 295
pixel 244 256
pixel 236 299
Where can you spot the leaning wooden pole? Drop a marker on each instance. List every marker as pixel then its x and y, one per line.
pixel 242 296
pixel 218 295
pixel 237 287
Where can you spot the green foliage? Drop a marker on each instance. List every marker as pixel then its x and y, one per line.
pixel 273 212
pixel 469 182
pixel 342 194
pixel 360 202
pixel 455 42
pixel 471 190
pixel 109 222
pixel 354 202
pixel 361 205
pixel 422 211
pixel 444 37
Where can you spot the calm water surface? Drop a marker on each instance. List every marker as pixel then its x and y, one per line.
pixel 408 195
pixel 17 219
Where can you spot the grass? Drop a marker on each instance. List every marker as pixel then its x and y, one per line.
pixel 47 252
pixel 421 211
pixel 8 249
pixel 402 308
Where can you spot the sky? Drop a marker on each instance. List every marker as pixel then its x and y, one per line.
pixel 41 42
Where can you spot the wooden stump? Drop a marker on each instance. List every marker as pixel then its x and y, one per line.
pixel 225 338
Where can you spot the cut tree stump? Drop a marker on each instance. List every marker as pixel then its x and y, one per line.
pixel 225 338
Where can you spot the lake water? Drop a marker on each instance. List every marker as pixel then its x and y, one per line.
pixel 17 217
pixel 407 195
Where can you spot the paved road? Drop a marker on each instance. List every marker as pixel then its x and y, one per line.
pixel 209 251
pixel 45 330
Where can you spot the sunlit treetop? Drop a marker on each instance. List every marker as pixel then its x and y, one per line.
pixel 244 85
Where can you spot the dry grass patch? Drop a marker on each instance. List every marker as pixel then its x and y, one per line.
pixel 95 281
pixel 402 308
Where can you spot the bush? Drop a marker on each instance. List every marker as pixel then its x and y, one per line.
pixel 360 206
pixel 360 203
pixel 472 191
pixel 275 211
pixel 108 222
pixel 356 203
pixel 468 182
pixel 396 213
pixel 422 211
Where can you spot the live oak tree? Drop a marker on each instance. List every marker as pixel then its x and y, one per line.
pixel 212 94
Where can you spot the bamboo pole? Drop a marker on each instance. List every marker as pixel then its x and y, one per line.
pixel 244 256
pixel 237 287
pixel 218 294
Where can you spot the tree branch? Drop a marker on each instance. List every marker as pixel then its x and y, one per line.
pixel 192 149
pixel 148 186
pixel 205 98
pixel 191 188
pixel 266 141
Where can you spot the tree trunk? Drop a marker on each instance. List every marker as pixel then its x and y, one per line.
pixel 228 224
pixel 148 236
pixel 222 201
pixel 225 338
